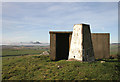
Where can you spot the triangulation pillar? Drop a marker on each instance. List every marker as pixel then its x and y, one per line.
pixel 81 47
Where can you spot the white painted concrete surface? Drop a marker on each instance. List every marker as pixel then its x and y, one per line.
pixel 76 43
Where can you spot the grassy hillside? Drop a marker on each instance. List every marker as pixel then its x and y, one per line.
pixel 36 67
pixel 14 52
pixel 113 49
pixel 23 50
pixel 24 62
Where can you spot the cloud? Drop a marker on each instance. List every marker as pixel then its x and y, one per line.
pixel 24 19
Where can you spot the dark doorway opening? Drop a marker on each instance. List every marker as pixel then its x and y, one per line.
pixel 62 46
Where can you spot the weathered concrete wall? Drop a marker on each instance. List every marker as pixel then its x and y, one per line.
pixel 81 47
pixel 76 46
pixel 88 51
pixel 53 46
pixel 101 45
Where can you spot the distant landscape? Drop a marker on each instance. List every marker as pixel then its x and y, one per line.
pixel 20 50
pixel 25 49
pixel 114 49
pixel 25 62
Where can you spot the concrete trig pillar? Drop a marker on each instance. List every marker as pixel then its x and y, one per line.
pixel 81 47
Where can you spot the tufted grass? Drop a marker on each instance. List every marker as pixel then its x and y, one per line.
pixel 36 67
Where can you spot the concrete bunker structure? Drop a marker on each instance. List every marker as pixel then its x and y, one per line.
pixel 60 44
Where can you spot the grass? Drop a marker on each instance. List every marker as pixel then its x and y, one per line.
pixel 18 52
pixel 25 63
pixel 36 67
pixel 113 49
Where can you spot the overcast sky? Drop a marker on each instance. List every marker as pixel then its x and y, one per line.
pixel 32 21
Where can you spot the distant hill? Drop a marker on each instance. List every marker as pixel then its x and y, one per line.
pixel 37 42
pixel 28 44
pixel 115 44
pixel 114 48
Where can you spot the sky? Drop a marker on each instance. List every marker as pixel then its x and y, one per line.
pixel 32 21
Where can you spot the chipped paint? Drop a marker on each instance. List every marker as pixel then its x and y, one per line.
pixel 76 47
pixel 81 44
